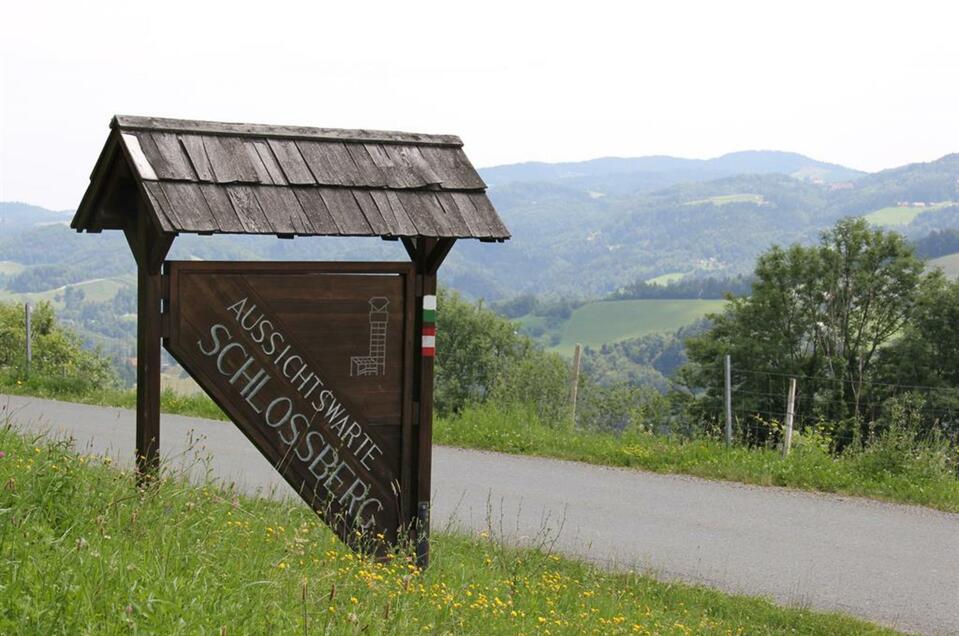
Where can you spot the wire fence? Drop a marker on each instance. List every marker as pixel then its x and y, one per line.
pixel 845 412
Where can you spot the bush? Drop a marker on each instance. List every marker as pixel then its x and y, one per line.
pixel 58 357
pixel 480 354
pixel 539 381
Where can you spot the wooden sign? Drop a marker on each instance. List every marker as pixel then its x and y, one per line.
pixel 314 363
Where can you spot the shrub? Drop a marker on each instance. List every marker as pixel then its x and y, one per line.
pixel 58 355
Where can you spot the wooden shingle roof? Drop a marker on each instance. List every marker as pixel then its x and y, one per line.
pixel 211 177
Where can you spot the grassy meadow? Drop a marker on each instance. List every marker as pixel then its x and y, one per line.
pixel 922 478
pixel 665 279
pixel 949 265
pixel 97 290
pixel 85 551
pixel 726 199
pixel 610 321
pixel 10 267
pixel 880 471
pixel 901 215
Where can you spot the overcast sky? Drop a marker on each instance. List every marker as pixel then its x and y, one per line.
pixel 870 85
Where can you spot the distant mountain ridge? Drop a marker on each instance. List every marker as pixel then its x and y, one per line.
pixel 582 232
pixel 15 215
pixel 636 174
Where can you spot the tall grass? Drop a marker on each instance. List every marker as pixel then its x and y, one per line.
pixel 71 390
pixel 84 551
pixel 891 467
pixel 895 466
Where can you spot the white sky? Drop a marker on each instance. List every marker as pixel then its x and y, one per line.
pixel 870 85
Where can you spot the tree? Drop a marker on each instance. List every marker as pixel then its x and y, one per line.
pixel 927 354
pixel 57 352
pixel 869 281
pixel 820 313
pixel 473 346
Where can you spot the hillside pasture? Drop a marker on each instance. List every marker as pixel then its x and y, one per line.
pixel 611 321
pixel 96 290
pixel 665 279
pixel 901 215
pixel 9 267
pixel 725 199
pixel 949 264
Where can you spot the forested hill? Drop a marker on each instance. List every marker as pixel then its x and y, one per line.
pixel 569 237
pixel 643 174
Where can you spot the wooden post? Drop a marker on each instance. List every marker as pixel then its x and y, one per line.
pixel 27 311
pixel 427 255
pixel 790 413
pixel 574 383
pixel 729 401
pixel 149 248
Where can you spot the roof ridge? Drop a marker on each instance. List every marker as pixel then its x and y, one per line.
pixel 135 122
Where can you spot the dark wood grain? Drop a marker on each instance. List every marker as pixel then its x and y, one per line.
pixel 465 223
pixel 165 216
pixel 191 207
pixel 344 209
pixel 314 207
pixel 131 122
pixel 175 163
pixel 404 217
pixel 269 161
pixel 466 206
pixel 322 310
pixel 422 219
pixel 484 210
pixel 453 168
pixel 196 152
pixel 291 162
pixel 425 205
pixel 372 213
pixel 282 208
pixel 366 185
pixel 230 160
pixel 222 208
pixel 248 209
pixel 369 173
pixel 314 153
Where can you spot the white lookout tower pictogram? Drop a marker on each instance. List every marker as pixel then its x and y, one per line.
pixel 375 362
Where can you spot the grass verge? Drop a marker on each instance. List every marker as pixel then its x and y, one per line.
pixel 903 477
pixel 84 551
pixel 198 405
pixel 900 477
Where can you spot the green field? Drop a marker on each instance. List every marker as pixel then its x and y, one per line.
pixel 725 199
pixel 100 289
pixel 9 267
pixel 85 551
pixel 611 321
pixel 665 279
pixel 904 215
pixel 949 265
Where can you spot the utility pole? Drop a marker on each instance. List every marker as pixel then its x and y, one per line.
pixel 729 401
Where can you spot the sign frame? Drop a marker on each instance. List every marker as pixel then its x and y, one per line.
pixel 174 307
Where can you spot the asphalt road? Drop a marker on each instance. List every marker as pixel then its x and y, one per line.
pixel 895 565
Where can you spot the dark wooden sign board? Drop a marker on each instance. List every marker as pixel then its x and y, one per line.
pixel 326 367
pixel 313 362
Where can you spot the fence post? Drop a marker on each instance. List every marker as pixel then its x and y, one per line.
pixel 790 413
pixel 729 401
pixel 27 311
pixel 574 386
